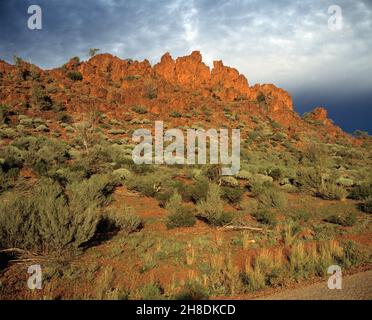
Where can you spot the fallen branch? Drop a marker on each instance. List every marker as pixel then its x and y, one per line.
pixel 242 228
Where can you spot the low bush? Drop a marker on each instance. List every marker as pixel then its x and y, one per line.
pixel 270 197
pixel 232 195
pixel 344 220
pixel 366 206
pixel 179 215
pixel 139 109
pixel 122 218
pixel 361 192
pixel 211 210
pixel 192 291
pixel 47 220
pixel 266 217
pixel 276 174
pixel 330 191
pixel 4 112
pixel 175 114
pixel 309 178
pixel 195 192
pixel 148 185
pixel 75 76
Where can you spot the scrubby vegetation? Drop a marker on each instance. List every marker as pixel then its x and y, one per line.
pixel 72 199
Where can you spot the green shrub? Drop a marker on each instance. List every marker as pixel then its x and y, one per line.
pixel 40 99
pixel 276 174
pixel 47 220
pixel 4 112
pixel 75 76
pixel 271 197
pixel 42 128
pixel 148 185
pixel 139 109
pixel 361 192
pixel 232 195
pixel 64 118
pixel 211 210
pixel 353 255
pixel 346 220
pixel 229 181
pixel 8 133
pixel 175 114
pixel 309 178
pixel 366 206
pixel 122 174
pixel 179 215
pixel 95 191
pixel 192 291
pixel 196 191
pixel 122 218
pixel 266 217
pixel 151 291
pixel 329 191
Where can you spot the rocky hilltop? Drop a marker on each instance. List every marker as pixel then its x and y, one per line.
pixel 183 89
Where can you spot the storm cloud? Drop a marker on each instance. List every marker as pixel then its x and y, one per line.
pixel 287 43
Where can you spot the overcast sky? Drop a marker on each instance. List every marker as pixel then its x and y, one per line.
pixel 287 43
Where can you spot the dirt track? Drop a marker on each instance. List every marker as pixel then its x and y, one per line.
pixel 354 287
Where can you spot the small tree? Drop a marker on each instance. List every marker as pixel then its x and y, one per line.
pixel 93 52
pixel 179 215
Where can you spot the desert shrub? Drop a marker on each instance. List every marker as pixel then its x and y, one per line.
pixel 266 217
pixel 11 158
pixel 42 128
pixel 8 133
pixel 42 154
pixel 97 161
pixel 148 185
pixel 151 291
pixel 122 174
pixel 232 195
pixel 361 192
pixel 151 92
pixel 276 174
pixel 353 255
pixel 179 215
pixel 211 210
pixel 366 206
pixel 122 218
pixel 195 192
pixel 271 197
pixel 4 112
pixel 344 220
pixel 314 259
pixel 258 179
pixel 301 215
pixel 64 118
pixel 94 191
pixel 330 191
pixel 117 131
pixel 139 109
pixel 46 220
pixel 75 76
pixel 192 291
pixel 40 99
pixel 345 182
pixel 243 175
pixel 175 114
pixel 309 178
pixel 229 181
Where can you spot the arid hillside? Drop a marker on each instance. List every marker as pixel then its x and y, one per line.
pixel 101 227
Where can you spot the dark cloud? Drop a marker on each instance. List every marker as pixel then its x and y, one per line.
pixel 284 42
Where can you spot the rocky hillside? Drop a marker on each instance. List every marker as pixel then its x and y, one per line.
pixel 184 91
